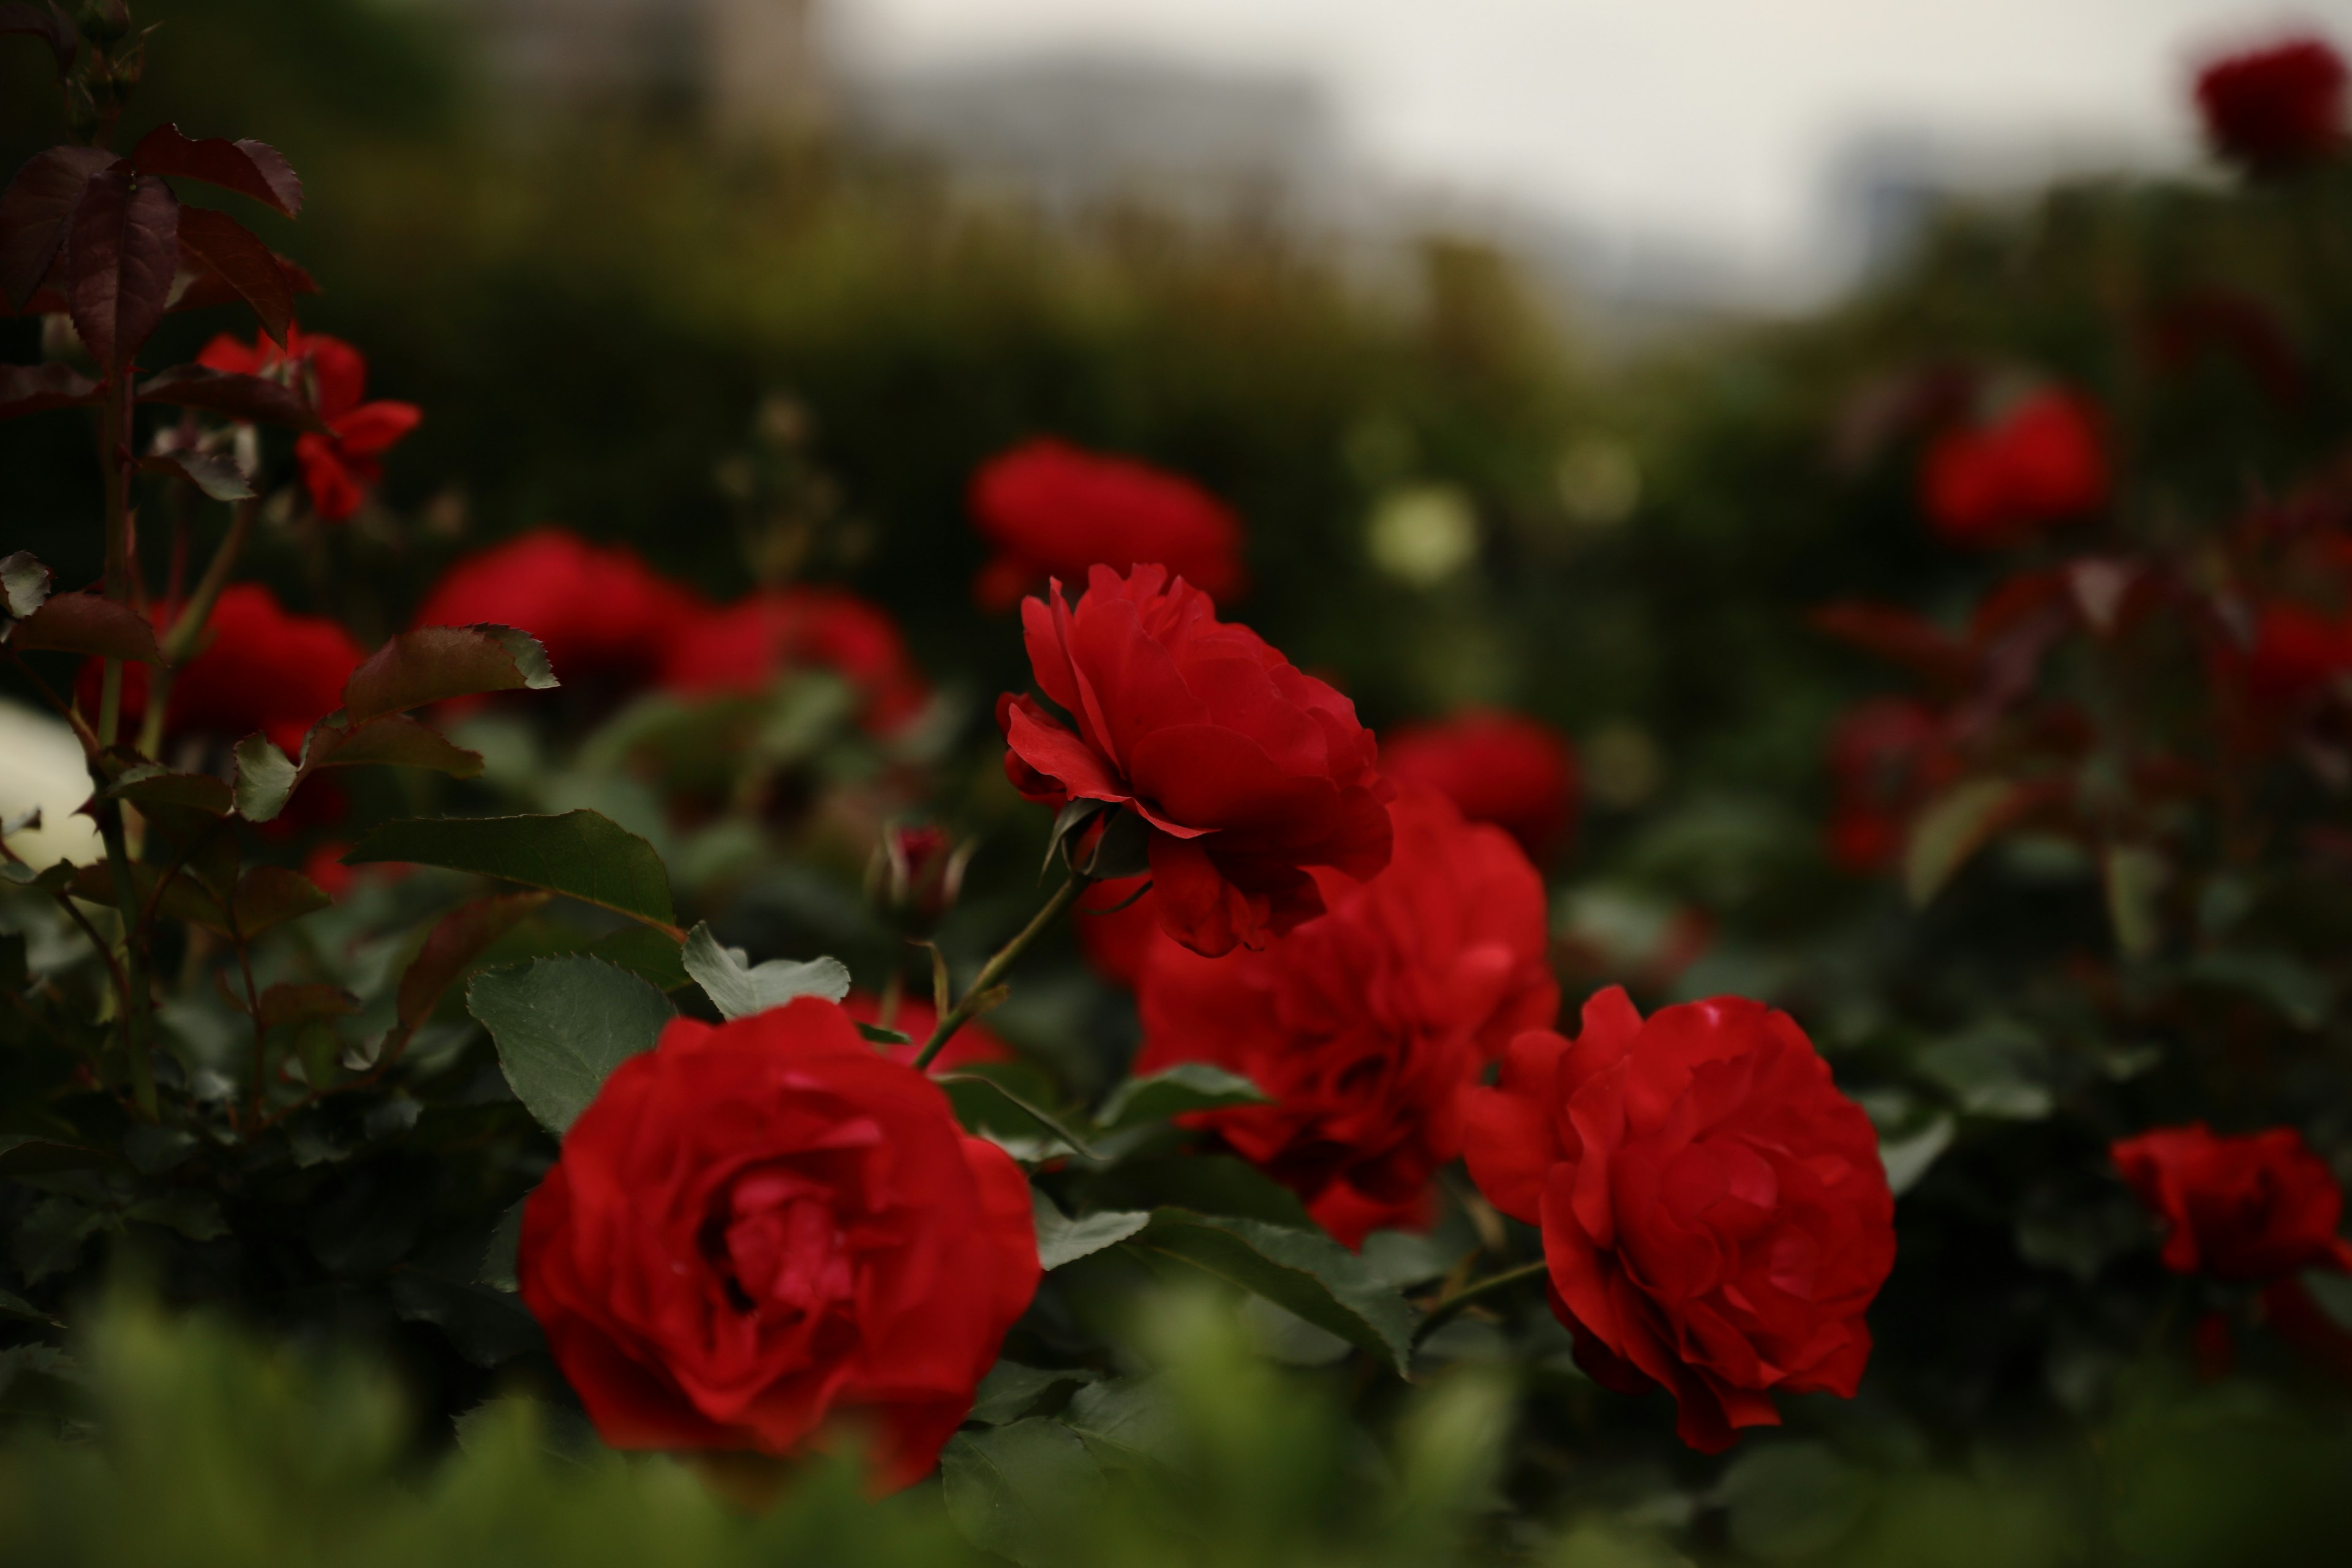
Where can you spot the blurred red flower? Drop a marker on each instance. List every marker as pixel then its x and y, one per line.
pixel 2296 652
pixel 338 467
pixel 1246 772
pixel 2271 109
pixel 1992 484
pixel 1052 510
pixel 1513 772
pixel 259 669
pixel 1714 1212
pixel 1365 1023
pixel 2253 1207
pixel 759 1226
pixel 745 646
pixel 597 609
pixel 1887 758
pixel 916 1018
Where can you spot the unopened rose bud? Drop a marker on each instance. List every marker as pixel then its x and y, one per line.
pixel 916 872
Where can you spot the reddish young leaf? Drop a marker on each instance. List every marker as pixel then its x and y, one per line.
pixel 89 624
pixel 123 252
pixel 433 663
pixel 271 894
pixel 393 740
pixel 253 397
pixel 249 168
pixel 33 214
pixel 1898 636
pixel 47 23
pixel 464 934
pixel 201 288
pixel 290 1001
pixel 30 388
pixel 231 251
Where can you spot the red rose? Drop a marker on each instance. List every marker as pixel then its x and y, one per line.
pixel 760 1226
pixel 337 468
pixel 1886 758
pixel 1364 1023
pixel 916 1018
pixel 1713 1211
pixel 1498 767
pixel 2255 1207
pixel 1991 485
pixel 2297 652
pixel 2274 108
pixel 748 644
pixel 1247 771
pixel 598 610
pixel 1053 510
pixel 1116 923
pixel 258 667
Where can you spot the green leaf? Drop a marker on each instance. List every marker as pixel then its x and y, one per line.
pixel 1906 1158
pixel 1951 830
pixel 287 1003
pixel 1303 1271
pixel 89 625
pixel 882 1037
pixel 1188 1086
pixel 561 1026
pixel 266 776
pixel 580 854
pixel 24 583
pixel 215 473
pixel 1206 1183
pixel 973 1094
pixel 148 784
pixel 1061 1239
pixel 1125 1419
pixel 738 988
pixel 1791 1501
pixel 1024 1491
pixel 1998 1069
pixel 457 939
pixel 2135 877
pixel 2297 992
pixel 432 664
pixel 645 953
pixel 502 1254
pixel 1010 1389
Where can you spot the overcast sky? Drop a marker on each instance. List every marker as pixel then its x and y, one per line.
pixel 1710 123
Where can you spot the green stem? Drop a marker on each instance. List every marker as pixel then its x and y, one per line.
pixel 1446 1311
pixel 181 640
pixel 138 1037
pixel 998 967
pixel 114 461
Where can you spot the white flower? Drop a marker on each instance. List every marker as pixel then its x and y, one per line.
pixel 41 766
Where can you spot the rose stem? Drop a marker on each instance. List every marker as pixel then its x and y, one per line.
pixel 115 440
pixel 1446 1310
pixel 996 968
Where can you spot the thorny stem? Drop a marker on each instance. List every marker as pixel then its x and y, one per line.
pixel 114 460
pixel 1446 1310
pixel 114 441
pixel 997 967
pixel 137 1035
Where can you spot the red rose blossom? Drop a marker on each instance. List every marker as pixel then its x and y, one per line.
pixel 598 610
pixel 259 667
pixel 745 646
pixel 1365 1023
pixel 2271 109
pixel 1513 772
pixel 1247 771
pixel 2297 652
pixel 916 1018
pixel 2255 1207
pixel 1886 757
pixel 1053 510
pixel 758 1229
pixel 1714 1212
pixel 339 467
pixel 1991 485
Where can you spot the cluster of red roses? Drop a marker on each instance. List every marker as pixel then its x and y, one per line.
pixel 749 1230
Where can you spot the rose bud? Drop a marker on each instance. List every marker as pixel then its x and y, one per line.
pixel 765 1232
pixel 1716 1220
pixel 2253 1207
pixel 1365 1023
pixel 917 873
pixel 1245 773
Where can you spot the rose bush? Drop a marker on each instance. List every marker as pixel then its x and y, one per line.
pixel 1248 772
pixel 339 466
pixel 1715 1218
pixel 1363 1024
pixel 764 1228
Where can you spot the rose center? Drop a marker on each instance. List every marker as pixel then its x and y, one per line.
pixel 778 1244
